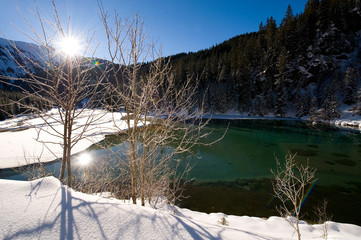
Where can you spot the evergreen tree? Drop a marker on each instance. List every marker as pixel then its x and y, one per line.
pixel 280 108
pixel 258 106
pixel 313 114
pixel 350 85
pixel 244 86
pixel 268 100
pixel 324 14
pixel 331 103
pixel 303 103
pixel 288 17
pixel 357 109
pixel 271 28
pixel 287 34
pixel 282 63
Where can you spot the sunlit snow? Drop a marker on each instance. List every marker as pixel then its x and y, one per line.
pixel 45 209
pixel 26 140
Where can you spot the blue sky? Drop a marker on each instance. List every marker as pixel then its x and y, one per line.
pixel 179 25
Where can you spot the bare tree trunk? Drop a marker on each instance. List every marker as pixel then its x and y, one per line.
pixel 68 155
pixel 65 148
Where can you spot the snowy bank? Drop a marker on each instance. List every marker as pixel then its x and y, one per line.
pixel 21 138
pixel 45 209
pixel 347 120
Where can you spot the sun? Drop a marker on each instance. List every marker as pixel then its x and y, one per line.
pixel 84 159
pixel 69 46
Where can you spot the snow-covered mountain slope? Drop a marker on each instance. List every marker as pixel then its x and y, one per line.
pixel 15 53
pixel 45 209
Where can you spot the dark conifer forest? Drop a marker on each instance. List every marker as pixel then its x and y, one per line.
pixel 306 65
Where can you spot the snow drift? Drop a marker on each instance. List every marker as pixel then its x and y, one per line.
pixel 45 209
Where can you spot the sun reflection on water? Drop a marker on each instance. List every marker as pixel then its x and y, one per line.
pixel 84 159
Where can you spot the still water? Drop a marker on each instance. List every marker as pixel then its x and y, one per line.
pixel 233 176
pixel 250 147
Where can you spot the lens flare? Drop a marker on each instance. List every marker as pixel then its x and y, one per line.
pixel 305 197
pixel 310 188
pixel 279 190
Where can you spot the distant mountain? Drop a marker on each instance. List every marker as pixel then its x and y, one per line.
pixel 11 59
pixel 308 65
pixel 15 56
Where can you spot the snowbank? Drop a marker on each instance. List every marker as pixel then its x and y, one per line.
pixel 348 119
pixel 45 209
pixel 21 141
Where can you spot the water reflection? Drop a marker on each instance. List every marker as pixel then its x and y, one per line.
pixel 84 159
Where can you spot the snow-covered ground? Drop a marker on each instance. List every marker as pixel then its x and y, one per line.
pixel 347 119
pixel 21 140
pixel 45 209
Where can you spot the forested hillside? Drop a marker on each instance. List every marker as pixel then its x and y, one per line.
pixel 308 64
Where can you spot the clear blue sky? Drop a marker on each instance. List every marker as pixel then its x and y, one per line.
pixel 180 25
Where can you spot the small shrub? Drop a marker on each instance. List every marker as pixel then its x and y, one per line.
pixel 223 221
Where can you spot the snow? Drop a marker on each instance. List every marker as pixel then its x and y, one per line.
pixel 348 119
pixel 45 209
pixel 21 142
pixel 8 66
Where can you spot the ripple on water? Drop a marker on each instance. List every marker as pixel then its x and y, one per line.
pixel 330 162
pixel 312 146
pixel 340 155
pixel 345 162
pixel 303 152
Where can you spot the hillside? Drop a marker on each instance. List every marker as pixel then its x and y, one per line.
pixel 12 55
pixel 308 65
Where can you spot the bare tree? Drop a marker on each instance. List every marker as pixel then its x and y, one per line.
pixel 163 119
pixel 323 218
pixel 290 186
pixel 69 83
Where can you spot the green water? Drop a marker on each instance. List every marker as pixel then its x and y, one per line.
pixel 249 148
pixel 233 176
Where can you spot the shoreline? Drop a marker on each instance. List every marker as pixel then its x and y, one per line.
pixel 345 123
